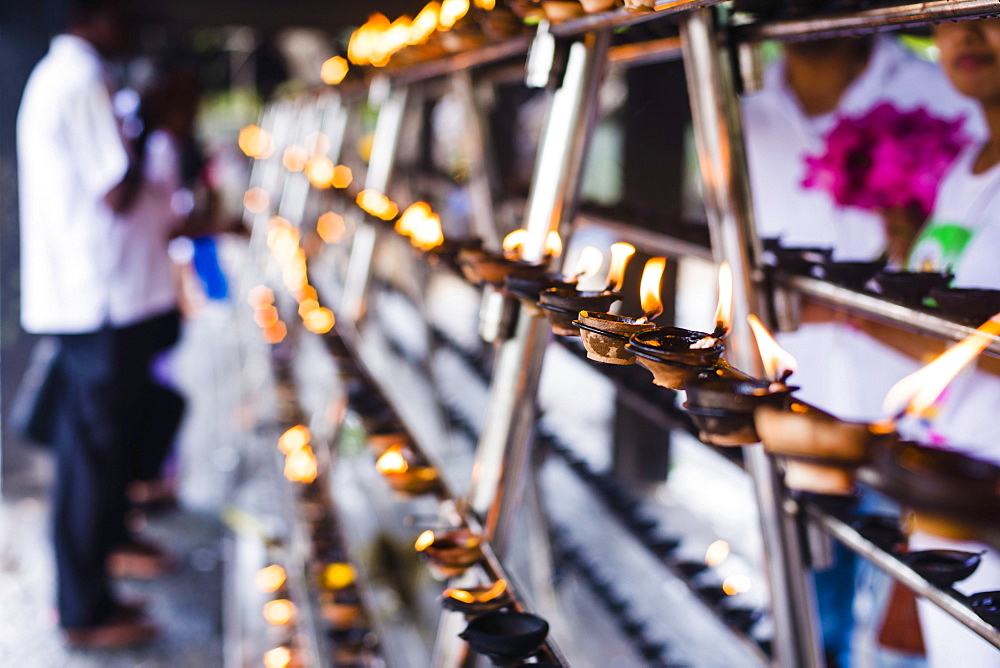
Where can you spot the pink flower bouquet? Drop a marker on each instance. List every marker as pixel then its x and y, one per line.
pixel 886 159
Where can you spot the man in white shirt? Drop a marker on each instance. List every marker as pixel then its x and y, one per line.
pixel 73 171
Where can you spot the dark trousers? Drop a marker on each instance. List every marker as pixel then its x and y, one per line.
pixel 112 425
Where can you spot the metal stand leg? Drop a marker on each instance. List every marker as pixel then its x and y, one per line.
pixel 380 166
pixel 504 451
pixel 719 136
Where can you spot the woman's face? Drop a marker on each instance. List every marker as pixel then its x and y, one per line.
pixel 970 56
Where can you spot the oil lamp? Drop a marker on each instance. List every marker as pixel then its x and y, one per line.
pixel 674 355
pixel 528 287
pixel 405 471
pixel 821 452
pixel 450 551
pixel 605 334
pixel 506 634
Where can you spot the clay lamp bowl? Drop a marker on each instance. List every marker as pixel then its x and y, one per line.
pixel 986 604
pixel 604 335
pixel 563 305
pixel 505 634
pixel 477 600
pixel 822 453
pixel 528 286
pixel 853 275
pixel 971 306
pixel 800 260
pixel 910 287
pixel 722 404
pixel 480 266
pixel 450 551
pixel 943 568
pixel 405 471
pixel 557 11
pixel 445 254
pixel 882 530
pixel 952 494
pixel 668 354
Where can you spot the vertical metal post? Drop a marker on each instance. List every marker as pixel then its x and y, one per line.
pixel 504 452
pixel 380 166
pixel 474 142
pixel 719 138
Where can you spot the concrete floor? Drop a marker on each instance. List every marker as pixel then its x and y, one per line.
pixel 187 604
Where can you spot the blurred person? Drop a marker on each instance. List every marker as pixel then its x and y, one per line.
pixel 804 92
pixel 74 172
pixel 963 236
pixel 153 211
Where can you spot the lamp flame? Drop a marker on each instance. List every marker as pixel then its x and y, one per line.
pixel 270 578
pixel 425 23
pixel 621 253
pixel 724 311
pixel 778 362
pixel 255 142
pixel 649 287
pixel 424 541
pixel 498 588
pixel 589 262
pixel 916 393
pixel 294 438
pixel 300 465
pixel 319 170
pixel 554 245
pixel 334 70
pixel 331 227
pixel 279 657
pixel 736 584
pixel 392 461
pixel 513 243
pixel 717 553
pixel 377 204
pixel 279 611
pixel 451 12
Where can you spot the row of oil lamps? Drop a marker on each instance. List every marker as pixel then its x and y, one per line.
pixel 951 493
pixel 495 627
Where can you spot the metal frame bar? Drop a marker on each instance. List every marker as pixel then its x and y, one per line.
pixel 380 166
pixel 867 20
pixel 504 451
pixel 719 137
pixel 876 308
pixel 904 575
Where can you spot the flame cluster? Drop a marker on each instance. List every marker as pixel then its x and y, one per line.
pixel 256 142
pixel 334 70
pixel 513 244
pixel 421 225
pixel 261 299
pixel 376 204
pixel 378 39
pixel 300 460
pixel 283 241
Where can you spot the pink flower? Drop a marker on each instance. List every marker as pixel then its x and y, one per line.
pixel 886 158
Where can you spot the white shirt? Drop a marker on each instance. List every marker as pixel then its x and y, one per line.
pixel 70 155
pixel 779 135
pixel 145 284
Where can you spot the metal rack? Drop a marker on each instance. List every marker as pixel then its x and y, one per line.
pixel 707 38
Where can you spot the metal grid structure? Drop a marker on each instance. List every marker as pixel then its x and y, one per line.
pixel 504 452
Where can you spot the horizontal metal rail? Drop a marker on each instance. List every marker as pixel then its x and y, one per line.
pixel 486 55
pixel 904 574
pixel 867 20
pixel 621 18
pixel 877 308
